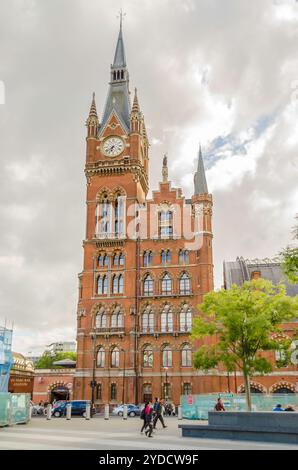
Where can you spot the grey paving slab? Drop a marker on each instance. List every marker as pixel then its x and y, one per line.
pixel 98 434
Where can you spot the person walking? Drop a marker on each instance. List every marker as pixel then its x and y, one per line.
pixel 143 416
pixel 158 408
pixel 219 405
pixel 148 420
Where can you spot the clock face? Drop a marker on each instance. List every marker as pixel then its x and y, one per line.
pixel 113 146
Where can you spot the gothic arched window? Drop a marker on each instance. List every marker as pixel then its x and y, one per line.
pixel 166 284
pixel 147 258
pixel 148 321
pixel 148 356
pixel 148 285
pixel 121 259
pixel 120 284
pixel 183 257
pixel 186 359
pixel 101 319
pixel 184 284
pixel 167 359
pixel 100 357
pixel 185 319
pixel 167 319
pixel 116 259
pixel 98 392
pixel 105 207
pixel 115 284
pixel 102 285
pixel 113 392
pixel 117 318
pixel 115 357
pixel 186 389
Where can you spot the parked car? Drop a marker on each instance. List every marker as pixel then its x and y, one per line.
pixel 132 410
pixel 78 407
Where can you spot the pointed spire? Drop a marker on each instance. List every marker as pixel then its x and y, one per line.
pixel 118 99
pixel 93 111
pixel 119 58
pixel 92 122
pixel 165 172
pixel 135 106
pixel 200 182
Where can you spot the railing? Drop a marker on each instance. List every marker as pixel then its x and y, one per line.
pixel 111 330
pixel 164 331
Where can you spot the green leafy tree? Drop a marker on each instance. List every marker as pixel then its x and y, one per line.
pixel 47 360
pixel 245 322
pixel 290 263
pixel 289 258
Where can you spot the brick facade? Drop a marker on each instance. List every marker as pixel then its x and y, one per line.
pixel 159 296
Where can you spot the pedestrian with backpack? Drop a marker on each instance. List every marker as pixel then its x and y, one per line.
pixel 143 416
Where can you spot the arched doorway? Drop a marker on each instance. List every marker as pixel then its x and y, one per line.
pixel 255 387
pixel 60 392
pixel 283 388
pixel 147 392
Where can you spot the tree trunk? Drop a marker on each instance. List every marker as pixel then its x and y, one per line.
pixel 247 390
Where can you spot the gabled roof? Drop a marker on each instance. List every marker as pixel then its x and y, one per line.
pixel 118 101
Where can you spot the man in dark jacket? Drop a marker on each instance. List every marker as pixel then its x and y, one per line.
pixel 158 413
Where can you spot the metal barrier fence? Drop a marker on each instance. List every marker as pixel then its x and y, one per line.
pixel 14 408
pixel 197 406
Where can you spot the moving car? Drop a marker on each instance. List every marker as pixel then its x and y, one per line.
pixel 132 410
pixel 78 407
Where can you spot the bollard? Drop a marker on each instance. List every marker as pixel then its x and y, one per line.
pixel 124 411
pixel 88 409
pixel 107 412
pixel 49 411
pixel 179 412
pixel 68 411
pixel 30 412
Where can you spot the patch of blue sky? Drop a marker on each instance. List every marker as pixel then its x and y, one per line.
pixel 230 144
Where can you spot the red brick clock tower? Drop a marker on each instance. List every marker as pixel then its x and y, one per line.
pixel 139 288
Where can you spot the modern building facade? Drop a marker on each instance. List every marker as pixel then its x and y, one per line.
pixel 62 346
pixel 147 262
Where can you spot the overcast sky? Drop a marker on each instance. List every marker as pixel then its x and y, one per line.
pixel 220 72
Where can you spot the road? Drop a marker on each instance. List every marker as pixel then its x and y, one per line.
pixel 78 433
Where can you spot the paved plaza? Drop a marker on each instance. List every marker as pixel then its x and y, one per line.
pixel 98 434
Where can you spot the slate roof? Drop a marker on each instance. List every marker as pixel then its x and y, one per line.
pixel 239 271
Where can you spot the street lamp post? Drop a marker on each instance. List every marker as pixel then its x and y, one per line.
pixel 123 391
pixel 166 385
pixel 93 382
